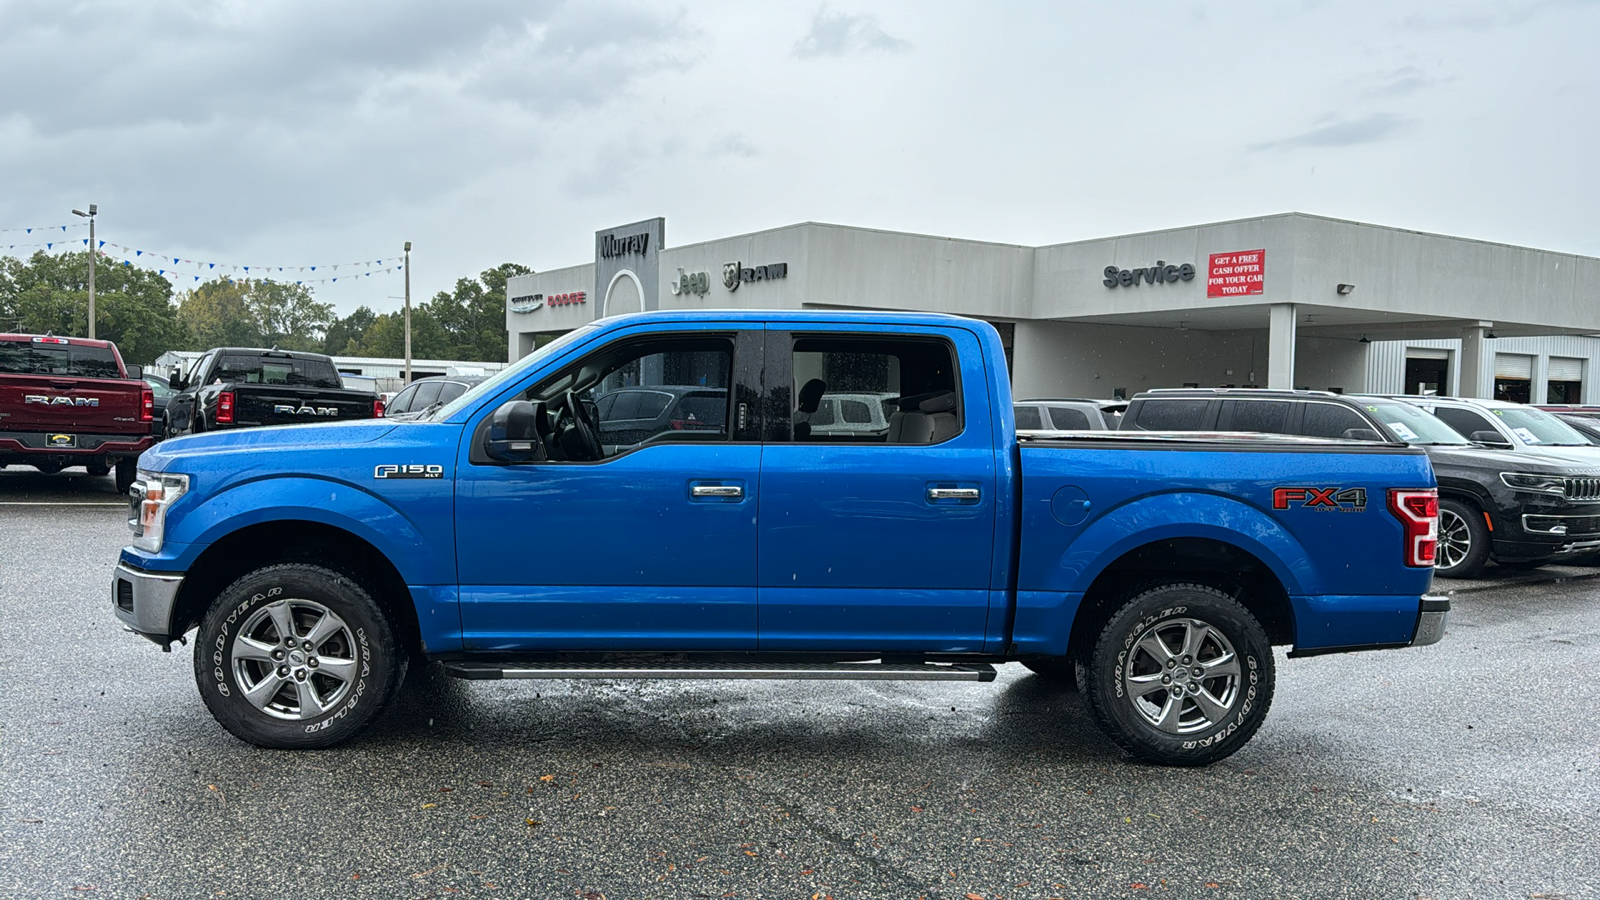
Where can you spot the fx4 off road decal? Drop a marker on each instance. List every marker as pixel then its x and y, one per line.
pixel 1321 499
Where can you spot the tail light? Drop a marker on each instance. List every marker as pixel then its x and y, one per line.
pixel 1418 512
pixel 225 408
pixel 147 405
pixel 377 408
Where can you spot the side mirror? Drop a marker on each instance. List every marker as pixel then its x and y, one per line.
pixel 1490 439
pixel 175 379
pixel 1361 434
pixel 513 433
pixel 135 373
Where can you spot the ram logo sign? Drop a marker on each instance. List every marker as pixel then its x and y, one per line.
pixel 291 410
pixel 60 401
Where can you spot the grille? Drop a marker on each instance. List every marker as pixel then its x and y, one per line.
pixel 1587 526
pixel 1583 488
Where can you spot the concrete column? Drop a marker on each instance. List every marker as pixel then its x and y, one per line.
pixel 1280 347
pixel 1471 362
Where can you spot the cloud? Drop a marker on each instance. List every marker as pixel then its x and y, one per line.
pixel 841 34
pixel 1342 133
pixel 1402 82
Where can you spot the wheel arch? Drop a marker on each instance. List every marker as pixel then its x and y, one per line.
pixel 284 540
pixel 1200 560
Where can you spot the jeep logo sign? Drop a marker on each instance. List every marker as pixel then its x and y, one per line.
pixel 287 409
pixel 60 401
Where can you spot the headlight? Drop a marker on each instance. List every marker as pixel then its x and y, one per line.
pixel 153 495
pixel 1540 484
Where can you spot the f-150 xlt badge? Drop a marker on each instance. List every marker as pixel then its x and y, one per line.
pixel 60 401
pixel 408 471
pixel 305 410
pixel 1331 499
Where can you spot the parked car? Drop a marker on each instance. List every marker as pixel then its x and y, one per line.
pixel 67 401
pixel 1516 510
pixel 629 416
pixel 163 392
pixel 1509 426
pixel 1588 426
pixel 1068 415
pixel 852 414
pixel 243 387
pixel 502 537
pixel 415 398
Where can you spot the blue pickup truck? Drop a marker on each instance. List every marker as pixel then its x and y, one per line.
pixel 573 517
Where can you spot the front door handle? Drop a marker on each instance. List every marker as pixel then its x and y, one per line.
pixel 937 493
pixel 729 491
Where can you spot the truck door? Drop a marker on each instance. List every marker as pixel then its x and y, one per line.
pixel 643 545
pixel 877 541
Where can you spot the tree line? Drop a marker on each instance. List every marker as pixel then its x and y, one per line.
pixel 141 312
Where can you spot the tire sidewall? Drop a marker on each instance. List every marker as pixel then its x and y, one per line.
pixel 1114 707
pixel 379 667
pixel 1478 556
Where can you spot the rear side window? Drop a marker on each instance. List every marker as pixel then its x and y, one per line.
pixel 855 412
pixel 450 391
pixel 1068 419
pixel 1172 415
pixel 28 358
pixel 1330 420
pixel 238 369
pixel 1028 418
pixel 1464 421
pixel 427 394
pixel 1264 416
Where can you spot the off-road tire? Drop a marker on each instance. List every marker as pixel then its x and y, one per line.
pixel 1124 675
pixel 305 697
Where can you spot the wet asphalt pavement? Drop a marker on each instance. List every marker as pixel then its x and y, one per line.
pixel 1466 769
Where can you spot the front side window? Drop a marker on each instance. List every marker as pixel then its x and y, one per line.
pixel 401 403
pixel 634 393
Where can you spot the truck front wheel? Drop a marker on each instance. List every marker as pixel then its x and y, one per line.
pixel 1182 675
pixel 296 656
pixel 127 471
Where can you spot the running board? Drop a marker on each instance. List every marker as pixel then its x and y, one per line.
pixel 803 671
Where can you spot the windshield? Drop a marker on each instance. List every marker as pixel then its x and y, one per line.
pixel 29 358
pixel 1413 425
pixel 1535 426
pixel 510 373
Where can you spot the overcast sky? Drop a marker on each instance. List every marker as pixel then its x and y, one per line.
pixel 296 133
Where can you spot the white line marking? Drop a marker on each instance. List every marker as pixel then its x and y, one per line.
pixel 54 503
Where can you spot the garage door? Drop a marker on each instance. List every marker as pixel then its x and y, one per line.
pixel 1513 365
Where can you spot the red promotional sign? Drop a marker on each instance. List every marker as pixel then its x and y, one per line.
pixel 1236 274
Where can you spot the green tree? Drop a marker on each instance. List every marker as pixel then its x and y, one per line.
pixel 133 307
pixel 473 316
pixel 218 315
pixel 288 315
pixel 387 336
pixel 344 335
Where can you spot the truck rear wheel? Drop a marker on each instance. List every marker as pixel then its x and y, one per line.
pixel 1463 541
pixel 127 471
pixel 296 656
pixel 1182 675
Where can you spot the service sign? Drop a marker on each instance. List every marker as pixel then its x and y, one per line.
pixel 1236 274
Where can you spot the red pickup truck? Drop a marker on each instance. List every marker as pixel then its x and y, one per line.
pixel 71 402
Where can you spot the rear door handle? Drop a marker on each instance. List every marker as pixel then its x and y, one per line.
pixel 937 493
pixel 729 491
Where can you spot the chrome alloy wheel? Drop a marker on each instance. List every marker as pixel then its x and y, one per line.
pixel 1182 675
pixel 294 659
pixel 1455 539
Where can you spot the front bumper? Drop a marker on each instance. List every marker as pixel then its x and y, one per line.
pixel 144 601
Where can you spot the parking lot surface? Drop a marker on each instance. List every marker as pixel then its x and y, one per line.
pixel 1465 769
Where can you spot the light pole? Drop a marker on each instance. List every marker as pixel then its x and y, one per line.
pixel 408 312
pixel 90 216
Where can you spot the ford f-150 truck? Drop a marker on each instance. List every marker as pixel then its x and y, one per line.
pixel 238 387
pixel 501 536
pixel 67 401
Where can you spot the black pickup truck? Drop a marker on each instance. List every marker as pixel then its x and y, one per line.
pixel 241 387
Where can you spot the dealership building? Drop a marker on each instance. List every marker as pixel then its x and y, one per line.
pixel 1280 301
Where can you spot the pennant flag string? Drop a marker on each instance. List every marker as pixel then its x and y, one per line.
pixel 59 229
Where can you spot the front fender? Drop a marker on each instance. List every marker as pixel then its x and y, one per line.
pixel 420 556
